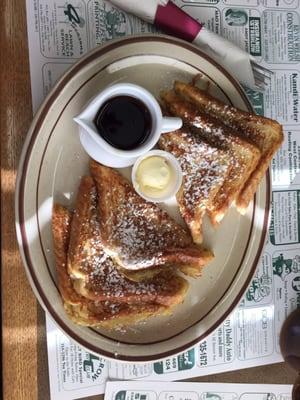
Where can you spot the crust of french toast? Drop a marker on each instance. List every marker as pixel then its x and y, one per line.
pixel 265 133
pixel 61 226
pixel 244 155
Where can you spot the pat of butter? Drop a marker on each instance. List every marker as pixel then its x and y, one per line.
pixel 154 176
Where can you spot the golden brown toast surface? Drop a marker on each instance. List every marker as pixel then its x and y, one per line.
pixel 265 133
pixel 76 306
pixel 98 276
pixel 244 155
pixel 88 312
pixel 204 168
pixel 137 234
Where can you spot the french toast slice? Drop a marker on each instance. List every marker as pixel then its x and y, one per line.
pixel 204 168
pixel 137 234
pixel 244 155
pixel 79 309
pixel 96 276
pixel 264 132
pixel 84 311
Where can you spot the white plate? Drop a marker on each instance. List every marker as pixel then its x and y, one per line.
pixel 53 161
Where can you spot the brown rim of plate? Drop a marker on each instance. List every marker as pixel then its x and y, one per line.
pixel 41 241
pixel 21 185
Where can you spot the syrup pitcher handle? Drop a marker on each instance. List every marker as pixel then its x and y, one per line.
pixel 170 124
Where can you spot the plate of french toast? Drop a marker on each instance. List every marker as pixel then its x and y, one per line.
pixel 143 198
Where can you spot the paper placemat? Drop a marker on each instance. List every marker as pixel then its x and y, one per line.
pixel 195 391
pixel 59 33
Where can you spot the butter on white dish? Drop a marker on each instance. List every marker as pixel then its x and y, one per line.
pixel 157 176
pixel 154 175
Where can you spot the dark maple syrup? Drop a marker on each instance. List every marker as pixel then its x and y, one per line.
pixel 124 122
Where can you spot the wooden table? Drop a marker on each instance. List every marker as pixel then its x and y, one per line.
pixel 25 367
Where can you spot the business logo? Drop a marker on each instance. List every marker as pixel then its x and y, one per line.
pixel 114 21
pixel 93 366
pixel 284 266
pixel 72 14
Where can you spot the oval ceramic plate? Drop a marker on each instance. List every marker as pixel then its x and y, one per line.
pixel 53 162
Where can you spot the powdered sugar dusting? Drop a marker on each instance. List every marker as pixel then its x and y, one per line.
pixel 103 280
pixel 137 233
pixel 144 232
pixel 233 118
pixel 204 167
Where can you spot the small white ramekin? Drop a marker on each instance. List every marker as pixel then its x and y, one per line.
pixel 174 187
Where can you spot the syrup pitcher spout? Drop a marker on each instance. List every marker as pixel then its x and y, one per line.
pixel 84 123
pixel 107 132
